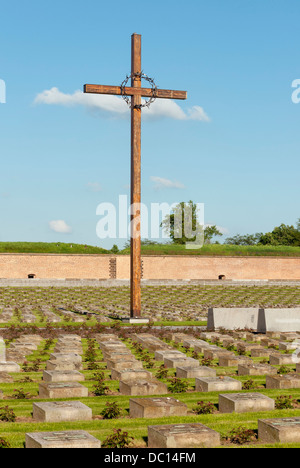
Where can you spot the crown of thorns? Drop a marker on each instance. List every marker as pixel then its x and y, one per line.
pixel 127 98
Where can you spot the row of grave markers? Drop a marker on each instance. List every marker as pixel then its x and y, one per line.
pixel 61 380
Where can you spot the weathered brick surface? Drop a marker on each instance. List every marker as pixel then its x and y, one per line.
pixel 154 267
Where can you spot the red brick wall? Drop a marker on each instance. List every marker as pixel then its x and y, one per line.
pixel 154 267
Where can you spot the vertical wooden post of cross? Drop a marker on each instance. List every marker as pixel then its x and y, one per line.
pixel 135 251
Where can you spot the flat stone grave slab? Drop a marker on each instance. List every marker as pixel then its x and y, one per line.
pixel 173 362
pixel 63 376
pixel 245 403
pixel 9 367
pixel 214 352
pixel 201 346
pixel 5 377
pixel 289 335
pixel 233 360
pixel 260 352
pixel 286 346
pixel 69 357
pixel 156 407
pixel 121 365
pixel 62 366
pixel 217 384
pixel 256 369
pixel 61 411
pixel 143 388
pixel 26 346
pixel 193 372
pixel 284 430
pixel 63 439
pixel 281 359
pixel 283 381
pixel 119 356
pixel 131 374
pixel 160 355
pixel 62 390
pixel 182 436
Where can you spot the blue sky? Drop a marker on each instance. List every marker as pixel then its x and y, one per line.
pixel 233 145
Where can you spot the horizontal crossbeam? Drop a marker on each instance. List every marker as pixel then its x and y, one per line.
pixel 128 91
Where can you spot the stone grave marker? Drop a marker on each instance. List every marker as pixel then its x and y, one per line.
pixel 182 436
pixel 217 384
pixel 193 372
pixel 283 381
pixel 62 439
pixel 62 411
pixel 173 362
pixel 245 403
pixel 62 390
pixel 131 374
pixel 284 430
pixel 256 369
pixel 9 367
pixel 63 376
pixel 119 365
pixel 143 388
pixel 156 407
pixel 278 359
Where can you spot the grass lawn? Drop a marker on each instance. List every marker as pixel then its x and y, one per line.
pixel 156 249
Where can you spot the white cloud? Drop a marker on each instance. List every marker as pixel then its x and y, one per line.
pixel 161 183
pixel 60 226
pixel 94 186
pixel 116 106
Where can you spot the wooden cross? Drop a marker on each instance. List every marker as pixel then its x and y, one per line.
pixel 136 92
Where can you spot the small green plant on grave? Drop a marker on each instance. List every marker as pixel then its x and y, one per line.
pixel 241 435
pixel 230 347
pixel 49 342
pixel 206 362
pixel 241 352
pixel 195 355
pixel 248 384
pixel 204 407
pixel 162 372
pixel 20 394
pixel 119 439
pixel 178 385
pixel 148 360
pixel 111 411
pixel 92 366
pixel 100 388
pixel 283 370
pixel 4 444
pixel 7 414
pixel 284 402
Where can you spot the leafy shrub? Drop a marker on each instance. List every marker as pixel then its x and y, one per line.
pixel 284 402
pixel 204 407
pixel 118 439
pixel 248 384
pixel 111 411
pixel 162 372
pixel 283 370
pixel 241 435
pixel 100 388
pixel 7 414
pixel 20 394
pixel 178 385
pixel 4 444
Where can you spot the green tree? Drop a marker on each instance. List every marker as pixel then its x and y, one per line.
pixel 182 225
pixel 248 239
pixel 282 235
